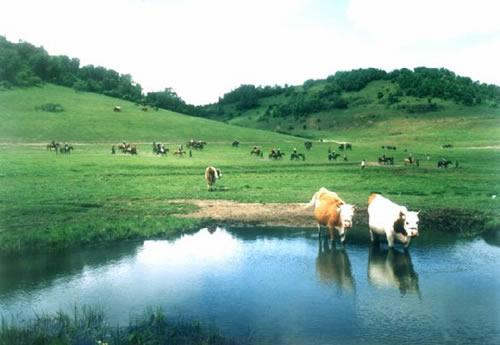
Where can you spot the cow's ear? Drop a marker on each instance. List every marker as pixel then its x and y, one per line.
pixel 401 215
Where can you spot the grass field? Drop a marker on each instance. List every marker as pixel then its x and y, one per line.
pixel 89 118
pixel 91 196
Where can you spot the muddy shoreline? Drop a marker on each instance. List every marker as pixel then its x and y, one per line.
pixel 239 214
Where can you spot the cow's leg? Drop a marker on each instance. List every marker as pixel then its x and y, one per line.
pixel 407 243
pixel 390 239
pixel 319 230
pixel 342 236
pixel 372 236
pixel 332 233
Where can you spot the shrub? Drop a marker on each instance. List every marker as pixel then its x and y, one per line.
pixel 50 107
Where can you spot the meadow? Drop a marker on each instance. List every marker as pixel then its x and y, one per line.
pixel 91 196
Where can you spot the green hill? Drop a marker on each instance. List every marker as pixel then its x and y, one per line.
pixel 380 107
pixel 42 114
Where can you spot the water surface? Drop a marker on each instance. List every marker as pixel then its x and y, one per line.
pixel 277 286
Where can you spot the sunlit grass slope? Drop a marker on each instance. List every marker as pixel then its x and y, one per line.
pixel 88 117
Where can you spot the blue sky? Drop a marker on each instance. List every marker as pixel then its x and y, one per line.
pixel 204 48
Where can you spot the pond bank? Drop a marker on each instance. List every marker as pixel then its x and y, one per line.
pixel 235 213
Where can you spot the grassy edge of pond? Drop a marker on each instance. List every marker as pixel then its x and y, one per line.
pixel 169 218
pixel 89 325
pixel 67 227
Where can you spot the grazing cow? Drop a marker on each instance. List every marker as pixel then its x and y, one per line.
pixel 117 108
pixel 196 144
pixel 211 176
pixel 124 147
pixel 391 268
pixel 257 151
pixel 386 160
pixel 53 145
pixel 410 160
pixel 235 143
pixel 308 145
pixel 332 156
pixel 333 212
pixel 276 154
pixel 443 163
pixel 392 220
pixel 446 146
pixel 345 146
pixel 179 152
pixel 297 156
pixel 66 148
pixel 131 150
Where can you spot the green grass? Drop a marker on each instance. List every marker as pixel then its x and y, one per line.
pixel 91 196
pixel 89 325
pixel 89 117
pixel 367 117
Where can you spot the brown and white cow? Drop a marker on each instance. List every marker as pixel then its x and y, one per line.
pixel 331 211
pixel 392 220
pixel 211 176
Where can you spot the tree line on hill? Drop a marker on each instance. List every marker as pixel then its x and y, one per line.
pixel 23 65
pixel 320 95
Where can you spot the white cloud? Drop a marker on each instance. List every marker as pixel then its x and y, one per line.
pixel 205 48
pixel 429 20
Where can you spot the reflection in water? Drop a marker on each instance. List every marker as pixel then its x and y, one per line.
pixel 36 270
pixel 333 265
pixel 392 268
pixel 492 237
pixel 204 248
pixel 258 284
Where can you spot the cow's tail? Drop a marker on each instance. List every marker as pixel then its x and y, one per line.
pixel 313 201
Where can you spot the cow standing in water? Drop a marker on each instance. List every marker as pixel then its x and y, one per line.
pixel 392 220
pixel 211 176
pixel 331 211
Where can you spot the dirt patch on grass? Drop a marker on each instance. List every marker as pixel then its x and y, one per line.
pixel 263 214
pixel 234 213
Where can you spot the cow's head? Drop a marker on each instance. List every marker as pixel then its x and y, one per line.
pixel 409 220
pixel 346 212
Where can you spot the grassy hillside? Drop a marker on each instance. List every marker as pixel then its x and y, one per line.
pixel 89 117
pixel 369 117
pixel 91 196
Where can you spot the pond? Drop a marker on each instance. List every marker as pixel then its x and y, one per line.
pixel 277 286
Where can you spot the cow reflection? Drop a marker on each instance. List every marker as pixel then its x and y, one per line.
pixel 333 265
pixel 391 268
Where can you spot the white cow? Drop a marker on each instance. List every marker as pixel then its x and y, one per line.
pixel 392 220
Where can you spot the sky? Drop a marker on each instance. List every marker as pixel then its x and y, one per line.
pixel 205 48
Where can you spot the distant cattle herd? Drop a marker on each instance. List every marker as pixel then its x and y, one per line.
pixel 275 153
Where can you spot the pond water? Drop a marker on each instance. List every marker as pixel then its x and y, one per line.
pixel 277 286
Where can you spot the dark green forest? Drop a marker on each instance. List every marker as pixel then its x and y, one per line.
pixel 24 65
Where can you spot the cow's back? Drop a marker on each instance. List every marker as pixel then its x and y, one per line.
pixel 210 175
pixel 381 211
pixel 326 211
